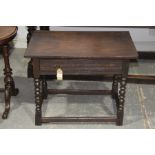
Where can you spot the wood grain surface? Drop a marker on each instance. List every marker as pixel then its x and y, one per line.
pixel 58 44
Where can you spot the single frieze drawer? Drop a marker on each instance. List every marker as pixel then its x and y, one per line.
pixel 80 66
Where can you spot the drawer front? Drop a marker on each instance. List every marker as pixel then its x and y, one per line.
pixel 80 66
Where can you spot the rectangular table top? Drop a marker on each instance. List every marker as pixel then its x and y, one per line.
pixel 60 44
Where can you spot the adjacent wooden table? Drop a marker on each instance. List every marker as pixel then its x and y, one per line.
pixel 7 34
pixel 80 53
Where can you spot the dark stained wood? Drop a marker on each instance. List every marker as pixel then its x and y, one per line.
pixel 115 86
pixel 44 28
pixel 78 119
pixel 79 92
pixel 121 97
pixel 106 45
pixel 81 53
pixel 44 88
pixel 139 79
pixel 132 78
pixel 7 33
pixel 10 89
pixel 146 55
pixel 30 30
pixel 142 54
pixel 36 64
pixel 80 66
pixel 38 101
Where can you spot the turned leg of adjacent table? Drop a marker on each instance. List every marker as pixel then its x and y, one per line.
pixel 10 89
pixel 30 29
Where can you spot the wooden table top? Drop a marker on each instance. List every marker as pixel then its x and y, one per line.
pixel 60 44
pixel 7 32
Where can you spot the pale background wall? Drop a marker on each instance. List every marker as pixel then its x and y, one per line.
pixel 143 38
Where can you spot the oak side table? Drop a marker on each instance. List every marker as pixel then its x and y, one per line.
pixel 80 53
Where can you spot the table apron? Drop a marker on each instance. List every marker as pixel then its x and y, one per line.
pixel 80 66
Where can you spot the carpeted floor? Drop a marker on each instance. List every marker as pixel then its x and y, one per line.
pixel 139 105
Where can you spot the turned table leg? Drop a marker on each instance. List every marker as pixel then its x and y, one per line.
pixel 44 88
pixel 10 89
pixel 38 101
pixel 115 89
pixel 120 108
pixel 115 86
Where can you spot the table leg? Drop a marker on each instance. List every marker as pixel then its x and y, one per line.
pixel 115 89
pixel 38 101
pixel 115 86
pixel 30 69
pixel 30 30
pixel 9 82
pixel 120 108
pixel 44 88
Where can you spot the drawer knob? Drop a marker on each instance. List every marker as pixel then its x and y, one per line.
pixel 59 74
